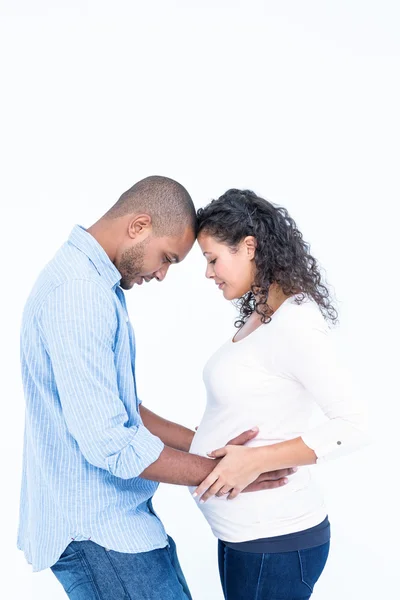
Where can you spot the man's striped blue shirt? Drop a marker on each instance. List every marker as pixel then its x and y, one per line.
pixel 85 443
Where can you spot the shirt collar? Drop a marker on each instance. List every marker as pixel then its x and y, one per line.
pixel 87 244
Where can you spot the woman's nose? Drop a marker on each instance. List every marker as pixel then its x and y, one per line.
pixel 209 272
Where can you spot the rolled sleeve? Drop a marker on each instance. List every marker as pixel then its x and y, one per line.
pixel 142 451
pixel 78 323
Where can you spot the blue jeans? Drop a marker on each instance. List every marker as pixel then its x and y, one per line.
pixel 275 576
pixel 88 571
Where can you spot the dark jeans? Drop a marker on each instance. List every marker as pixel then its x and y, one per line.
pixel 275 576
pixel 89 572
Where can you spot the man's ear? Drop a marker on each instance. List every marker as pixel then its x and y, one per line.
pixel 250 245
pixel 139 226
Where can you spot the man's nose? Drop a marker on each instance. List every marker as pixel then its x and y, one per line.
pixel 162 272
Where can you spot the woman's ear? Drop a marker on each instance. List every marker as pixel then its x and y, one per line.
pixel 250 246
pixel 139 226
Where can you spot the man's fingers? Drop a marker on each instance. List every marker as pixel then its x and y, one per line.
pixel 265 485
pixel 275 475
pixel 271 480
pixel 244 437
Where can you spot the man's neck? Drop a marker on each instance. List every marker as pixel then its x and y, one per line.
pixel 105 234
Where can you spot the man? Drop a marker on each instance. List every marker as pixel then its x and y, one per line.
pixel 93 453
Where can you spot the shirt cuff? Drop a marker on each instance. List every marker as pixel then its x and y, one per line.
pixel 335 439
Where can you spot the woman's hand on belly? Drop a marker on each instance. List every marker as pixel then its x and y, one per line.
pixel 232 475
pixel 264 481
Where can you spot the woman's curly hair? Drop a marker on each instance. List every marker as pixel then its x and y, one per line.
pixel 281 256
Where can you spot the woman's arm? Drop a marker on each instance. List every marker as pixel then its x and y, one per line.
pixel 314 361
pixel 241 465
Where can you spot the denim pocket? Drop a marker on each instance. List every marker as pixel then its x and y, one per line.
pixel 72 574
pixel 312 563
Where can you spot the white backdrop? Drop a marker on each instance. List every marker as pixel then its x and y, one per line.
pixel 298 100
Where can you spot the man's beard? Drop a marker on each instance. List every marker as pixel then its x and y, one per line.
pixel 131 264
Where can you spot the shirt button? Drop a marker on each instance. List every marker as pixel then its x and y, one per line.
pixel 338 442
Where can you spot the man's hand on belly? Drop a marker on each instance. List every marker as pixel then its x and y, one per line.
pixel 268 481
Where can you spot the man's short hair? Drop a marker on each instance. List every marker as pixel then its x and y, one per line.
pixel 165 200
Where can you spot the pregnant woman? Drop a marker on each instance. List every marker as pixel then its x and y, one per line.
pixel 274 373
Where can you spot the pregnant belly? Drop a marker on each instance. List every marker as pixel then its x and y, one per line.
pixel 266 513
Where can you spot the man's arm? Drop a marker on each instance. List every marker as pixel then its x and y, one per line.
pixel 180 468
pixel 173 435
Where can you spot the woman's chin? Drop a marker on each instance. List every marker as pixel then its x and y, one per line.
pixel 231 295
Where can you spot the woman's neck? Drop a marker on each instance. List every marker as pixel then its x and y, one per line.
pixel 276 297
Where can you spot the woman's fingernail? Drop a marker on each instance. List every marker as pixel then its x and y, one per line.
pixel 194 494
pixel 254 429
pixel 201 501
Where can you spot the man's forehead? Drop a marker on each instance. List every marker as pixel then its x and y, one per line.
pixel 178 247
